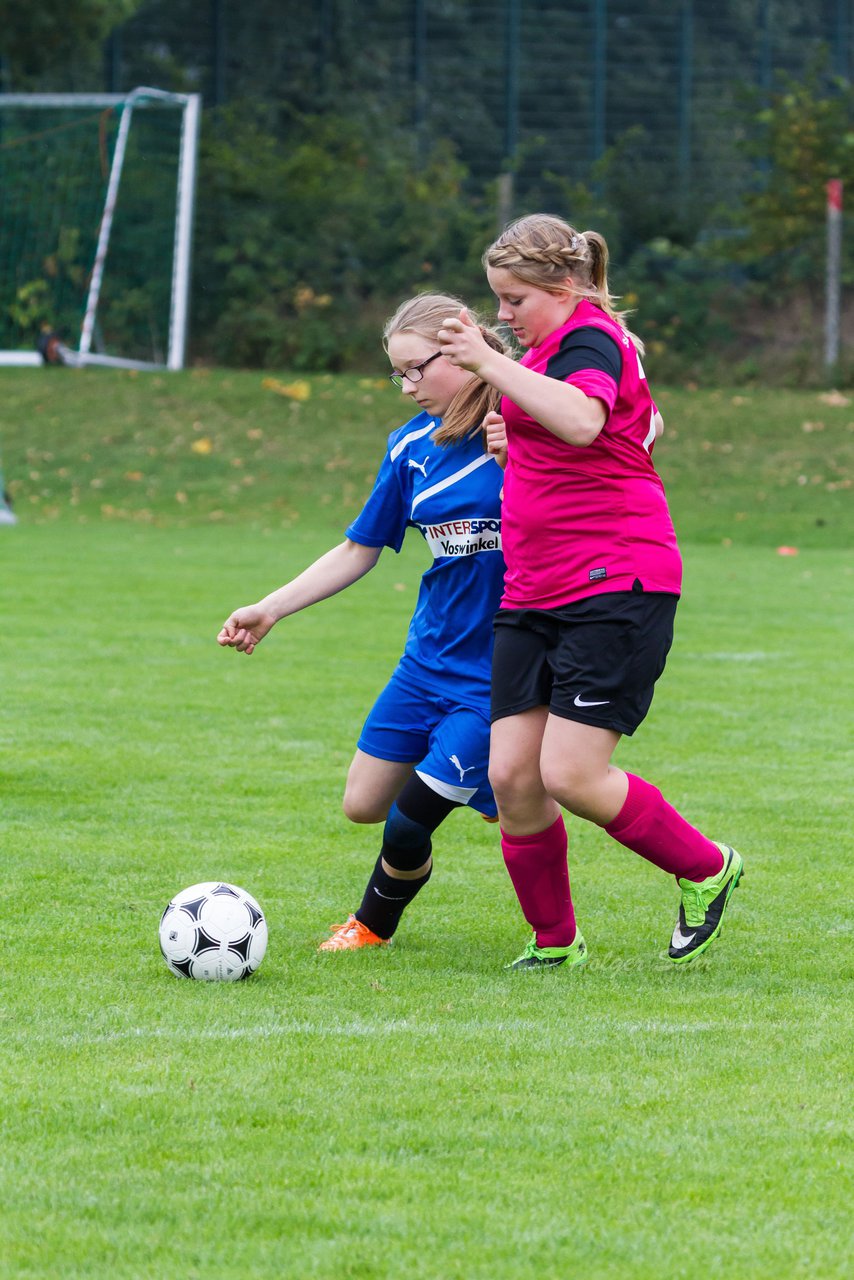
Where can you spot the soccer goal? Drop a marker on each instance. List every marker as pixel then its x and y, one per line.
pixel 96 214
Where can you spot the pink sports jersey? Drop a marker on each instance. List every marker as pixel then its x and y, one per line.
pixel 579 521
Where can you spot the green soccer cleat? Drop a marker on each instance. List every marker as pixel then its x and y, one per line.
pixel 701 912
pixel 534 957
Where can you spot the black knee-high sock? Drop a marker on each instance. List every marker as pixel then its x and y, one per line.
pixel 412 819
pixel 386 898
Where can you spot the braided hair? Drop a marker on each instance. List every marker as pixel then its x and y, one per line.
pixel 548 253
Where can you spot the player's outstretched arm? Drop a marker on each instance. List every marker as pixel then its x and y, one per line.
pixel 339 568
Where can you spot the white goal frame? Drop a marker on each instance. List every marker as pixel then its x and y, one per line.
pixel 190 104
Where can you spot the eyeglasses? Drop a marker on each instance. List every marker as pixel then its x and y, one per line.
pixel 414 374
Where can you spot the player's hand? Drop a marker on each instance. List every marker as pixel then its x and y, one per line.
pixel 462 342
pixel 245 628
pixel 495 435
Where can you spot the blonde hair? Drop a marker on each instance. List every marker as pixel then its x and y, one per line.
pixel 547 252
pixel 425 315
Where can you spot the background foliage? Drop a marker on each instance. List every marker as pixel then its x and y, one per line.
pixel 353 152
pixel 306 280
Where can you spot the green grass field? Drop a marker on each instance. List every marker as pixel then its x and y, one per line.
pixel 417 1113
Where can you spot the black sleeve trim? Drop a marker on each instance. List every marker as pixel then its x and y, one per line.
pixel 586 348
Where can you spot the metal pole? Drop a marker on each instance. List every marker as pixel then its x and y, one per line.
pixel 184 233
pixel 764 66
pixel 113 60
pixel 686 75
pixel 765 49
pixel 218 52
pixel 834 273
pixel 506 179
pixel 600 54
pixel 326 49
pixel 512 29
pixel 843 38
pixel 419 70
pixel 105 228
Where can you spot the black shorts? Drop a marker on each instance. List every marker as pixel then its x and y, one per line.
pixel 595 660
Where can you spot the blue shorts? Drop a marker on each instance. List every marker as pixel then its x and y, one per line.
pixel 447 743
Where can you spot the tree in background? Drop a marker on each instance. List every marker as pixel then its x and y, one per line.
pixel 312 229
pixel 803 138
pixel 59 38
pixel 351 151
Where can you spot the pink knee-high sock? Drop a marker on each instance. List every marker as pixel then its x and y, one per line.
pixel 537 867
pixel 648 825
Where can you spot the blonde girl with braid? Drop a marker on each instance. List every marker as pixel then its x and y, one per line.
pixel 590 592
pixel 424 747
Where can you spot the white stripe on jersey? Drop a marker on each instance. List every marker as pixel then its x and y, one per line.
pixel 649 441
pixel 413 435
pixel 449 480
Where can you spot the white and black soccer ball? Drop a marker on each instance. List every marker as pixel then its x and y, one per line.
pixel 214 932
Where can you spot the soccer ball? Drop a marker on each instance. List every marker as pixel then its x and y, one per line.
pixel 213 931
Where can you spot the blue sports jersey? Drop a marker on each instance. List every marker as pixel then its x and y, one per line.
pixel 451 495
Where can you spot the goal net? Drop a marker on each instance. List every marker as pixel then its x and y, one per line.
pixel 96 209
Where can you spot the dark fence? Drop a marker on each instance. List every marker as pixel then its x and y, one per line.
pixel 632 113
pixel 521 86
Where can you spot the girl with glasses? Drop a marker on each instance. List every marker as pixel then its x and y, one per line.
pixel 424 747
pixel 593 579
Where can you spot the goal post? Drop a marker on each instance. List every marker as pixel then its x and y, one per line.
pixel 97 196
pixel 833 287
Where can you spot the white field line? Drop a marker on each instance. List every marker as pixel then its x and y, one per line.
pixel 359 1028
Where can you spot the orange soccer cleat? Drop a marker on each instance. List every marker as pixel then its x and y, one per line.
pixel 350 936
